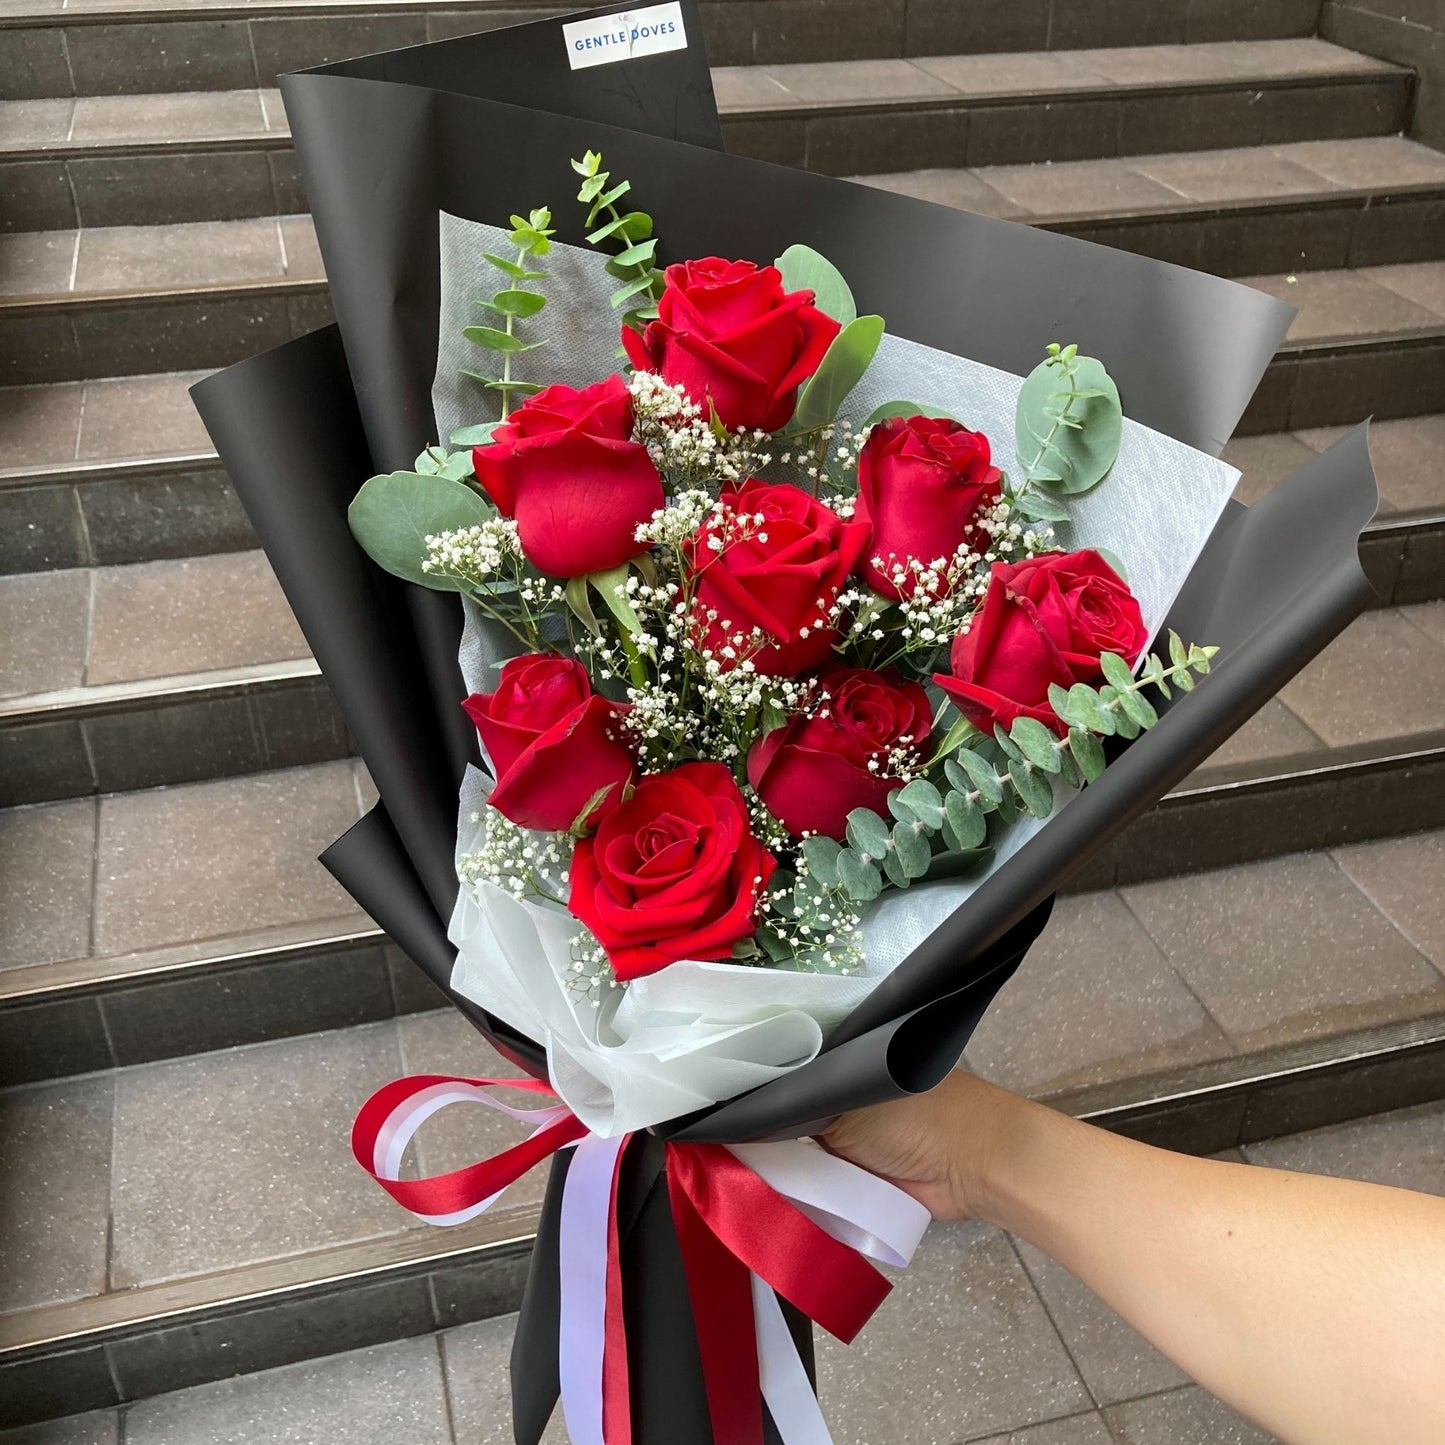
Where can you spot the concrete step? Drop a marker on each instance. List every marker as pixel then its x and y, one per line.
pixel 200 155
pixel 204 1233
pixel 118 678
pixel 126 932
pixel 1023 1353
pixel 119 46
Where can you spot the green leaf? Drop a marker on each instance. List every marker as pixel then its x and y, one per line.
pixel 859 880
pixel 966 819
pixel 822 859
pixel 1115 561
pixel 1011 749
pixel 1139 708
pixel 581 605
pixel 630 289
pixel 611 586
pixel 924 801
pixel 512 269
pixel 393 515
pixel 518 388
pixel 899 808
pixel 1085 709
pixel 1124 723
pixel 1088 753
pixel 580 822
pixel 805 270
pixel 978 772
pixel 893 868
pixel 1037 743
pixel 867 833
pixel 1183 682
pixel 888 409
pixel 910 847
pixel 954 738
pixel 430 462
pixel 493 339
pixel 1033 788
pixel 591 188
pixel 517 303
pixel 473 436
pixel 1080 457
pixel 1116 671
pixel 1038 508
pixel 1178 653
pixel 636 255
pixel 956 865
pixel 841 369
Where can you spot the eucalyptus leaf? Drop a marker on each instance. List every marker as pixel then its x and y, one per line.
pixel 967 819
pixel 841 369
pixel 493 339
pixel 1116 671
pixel 978 771
pixel 888 409
pixel 805 270
pixel 1039 508
pixel 1139 708
pixel 1124 724
pixel 1085 709
pixel 1034 790
pixel 959 864
pixel 1088 752
pixel 924 801
pixel 393 515
pixel 1036 742
pixel 910 847
pixel 860 880
pixel 867 833
pixel 1080 457
pixel 894 870
pixel 473 436
pixel 821 855
pixel 1115 561
pixel 517 303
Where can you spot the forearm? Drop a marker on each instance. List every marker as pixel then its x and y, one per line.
pixel 1316 1306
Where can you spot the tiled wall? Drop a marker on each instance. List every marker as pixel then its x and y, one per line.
pixel 1409 32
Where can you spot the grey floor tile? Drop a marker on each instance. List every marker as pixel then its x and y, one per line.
pixel 98 1427
pixel 1117 1363
pixel 478 1386
pixel 381 1396
pixel 1264 462
pixel 1077 188
pixel 210 859
pixel 1182 1417
pixel 43 621
pixel 1405 1149
pixel 1406 456
pixel 37 263
pixel 1273 732
pixel 961 189
pixel 303 255
pixel 1381 678
pixel 47 859
pixel 1284 950
pixel 141 416
pixel 193 614
pixel 1087 1429
pixel 1405 879
pixel 1094 999
pixel 1365 162
pixel 1161 64
pixel 1244 173
pixel 201 253
pixel 858 80
pixel 967 1332
pixel 1306 56
pixel 35 122
pixel 1429 617
pixel 39 424
pixel 749 87
pixel 443 1042
pixel 54 1187
pixel 1344 304
pixel 1422 284
pixel 243 1155
pixel 197 114
pixel 1025 72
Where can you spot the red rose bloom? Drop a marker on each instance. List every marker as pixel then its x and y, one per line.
pixel 727 330
pixel 672 873
pixel 565 466
pixel 780 575
pixel 922 482
pixel 1045 620
pixel 813 771
pixel 553 742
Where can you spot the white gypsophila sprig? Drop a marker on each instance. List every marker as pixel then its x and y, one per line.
pixel 478 555
pixel 817 929
pixel 519 861
pixel 686 445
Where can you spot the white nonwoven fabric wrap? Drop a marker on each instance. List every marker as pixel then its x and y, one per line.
pixel 699 1032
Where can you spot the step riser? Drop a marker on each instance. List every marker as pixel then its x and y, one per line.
pixel 137 516
pixel 184 740
pixel 90 55
pixel 115 1366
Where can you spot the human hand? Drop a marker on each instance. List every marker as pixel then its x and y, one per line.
pixel 937 1146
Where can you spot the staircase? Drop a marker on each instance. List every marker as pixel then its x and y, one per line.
pixel 190 1010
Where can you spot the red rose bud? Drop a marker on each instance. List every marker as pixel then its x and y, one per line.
pixel 565 466
pixel 1044 620
pixel 674 872
pixel 922 481
pixel 813 771
pixel 728 332
pixel 553 742
pixel 779 576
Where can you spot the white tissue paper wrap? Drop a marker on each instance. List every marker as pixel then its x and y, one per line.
pixel 697 1032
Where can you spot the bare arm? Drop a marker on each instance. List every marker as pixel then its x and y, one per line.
pixel 1315 1306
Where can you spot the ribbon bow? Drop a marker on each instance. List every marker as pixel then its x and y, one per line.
pixel 754 1221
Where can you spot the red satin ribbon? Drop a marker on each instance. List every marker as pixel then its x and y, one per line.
pixel 730 1225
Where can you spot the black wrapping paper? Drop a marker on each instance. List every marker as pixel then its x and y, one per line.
pixel 485 125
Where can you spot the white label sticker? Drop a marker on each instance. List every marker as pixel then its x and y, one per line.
pixel 625 36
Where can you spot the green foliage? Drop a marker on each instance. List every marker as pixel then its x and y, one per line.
pixel 804 269
pixel 888 409
pixel 635 262
pixel 1067 429
pixel 393 515
pixel 436 462
pixel 532 236
pixel 838 373
pixel 473 436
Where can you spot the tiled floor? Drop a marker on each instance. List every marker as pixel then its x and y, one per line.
pixel 983 1340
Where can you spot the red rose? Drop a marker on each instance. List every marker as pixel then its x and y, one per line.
pixel 1045 620
pixel 922 482
pixel 672 873
pixel 565 466
pixel 553 742
pixel 813 771
pixel 780 574
pixel 727 330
